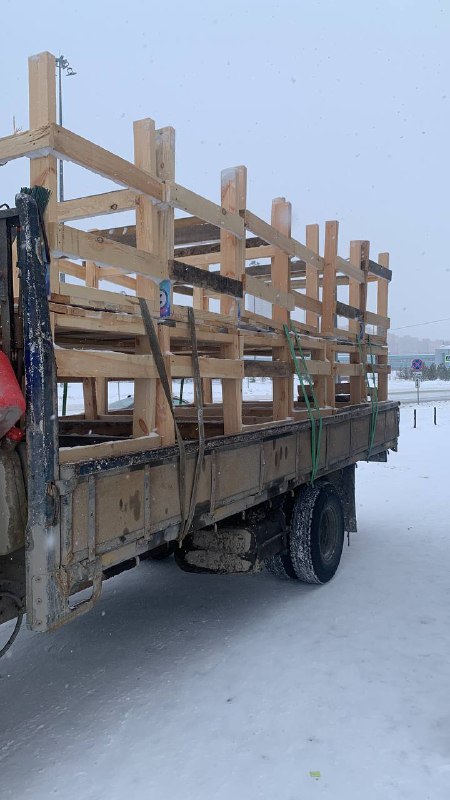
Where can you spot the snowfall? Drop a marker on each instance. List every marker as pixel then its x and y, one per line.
pixel 184 687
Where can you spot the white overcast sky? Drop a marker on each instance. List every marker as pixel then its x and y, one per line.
pixel 342 107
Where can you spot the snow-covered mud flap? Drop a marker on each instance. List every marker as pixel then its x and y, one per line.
pixel 234 548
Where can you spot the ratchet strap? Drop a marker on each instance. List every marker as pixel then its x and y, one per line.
pixel 316 436
pixel 161 367
pixel 372 392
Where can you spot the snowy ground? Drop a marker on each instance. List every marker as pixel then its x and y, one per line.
pixel 182 687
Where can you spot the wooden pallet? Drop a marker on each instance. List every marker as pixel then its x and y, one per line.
pixel 209 258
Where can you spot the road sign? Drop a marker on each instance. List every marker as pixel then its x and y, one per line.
pixel 447 358
pixel 417 364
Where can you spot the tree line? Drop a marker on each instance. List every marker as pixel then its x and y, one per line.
pixel 431 373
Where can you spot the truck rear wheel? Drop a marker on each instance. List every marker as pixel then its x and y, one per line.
pixel 315 537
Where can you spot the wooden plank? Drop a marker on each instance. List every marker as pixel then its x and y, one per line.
pixel 359 254
pixel 70 455
pixel 146 235
pixel 348 269
pixel 165 168
pixel 380 270
pixel 257 288
pixel 290 246
pixel 283 387
pixel 78 244
pixel 71 147
pixel 42 105
pixel 307 303
pixel 214 281
pixel 329 296
pixel 181 367
pixel 329 278
pixel 97 299
pixel 233 199
pixel 97 205
pixel 267 369
pixel 35 143
pixel 378 320
pixel 100 364
pixel 382 309
pixel 312 275
pixel 179 197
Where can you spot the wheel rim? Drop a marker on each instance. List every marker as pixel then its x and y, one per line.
pixel 328 534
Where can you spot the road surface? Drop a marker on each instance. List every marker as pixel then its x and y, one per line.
pixel 190 687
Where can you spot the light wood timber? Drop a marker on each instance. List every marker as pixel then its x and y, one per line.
pixel 96 205
pixel 108 449
pixel 359 255
pixel 42 111
pixel 144 409
pixel 179 197
pixel 312 275
pixel 283 388
pixel 73 243
pixel 382 310
pixel 329 295
pixel 290 246
pixel 233 199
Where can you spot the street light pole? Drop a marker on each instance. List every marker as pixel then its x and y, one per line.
pixel 62 64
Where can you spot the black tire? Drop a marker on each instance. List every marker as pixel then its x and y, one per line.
pixel 316 535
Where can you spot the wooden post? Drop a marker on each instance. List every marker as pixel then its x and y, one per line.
pixel 280 274
pixel 359 258
pixel 201 301
pixel 95 390
pixel 329 299
pixel 312 318
pixel 165 169
pixel 42 110
pixel 144 414
pixel 233 198
pixel 382 308
pixel 312 275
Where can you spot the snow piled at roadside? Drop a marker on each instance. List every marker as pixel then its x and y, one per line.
pixel 184 687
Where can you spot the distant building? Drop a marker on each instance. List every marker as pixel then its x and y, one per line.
pixel 442 355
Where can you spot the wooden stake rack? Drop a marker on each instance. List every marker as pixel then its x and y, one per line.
pixel 218 258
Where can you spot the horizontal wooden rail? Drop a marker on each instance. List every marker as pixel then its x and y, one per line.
pixel 288 245
pixel 97 205
pixel 34 144
pixel 179 197
pixel 78 244
pixel 257 288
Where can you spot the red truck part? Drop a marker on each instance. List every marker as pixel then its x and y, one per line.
pixel 12 401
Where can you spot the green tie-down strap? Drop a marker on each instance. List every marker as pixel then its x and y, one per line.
pixel 372 392
pixel 302 376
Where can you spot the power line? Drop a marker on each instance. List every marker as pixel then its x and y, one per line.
pixel 419 324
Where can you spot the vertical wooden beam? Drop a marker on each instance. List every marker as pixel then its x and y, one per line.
pixel 382 308
pixel 280 275
pixel 312 318
pixel 201 301
pixel 312 275
pixel 233 198
pixel 91 274
pixel 329 299
pixel 165 169
pixel 144 413
pixel 42 111
pixel 95 390
pixel 359 258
